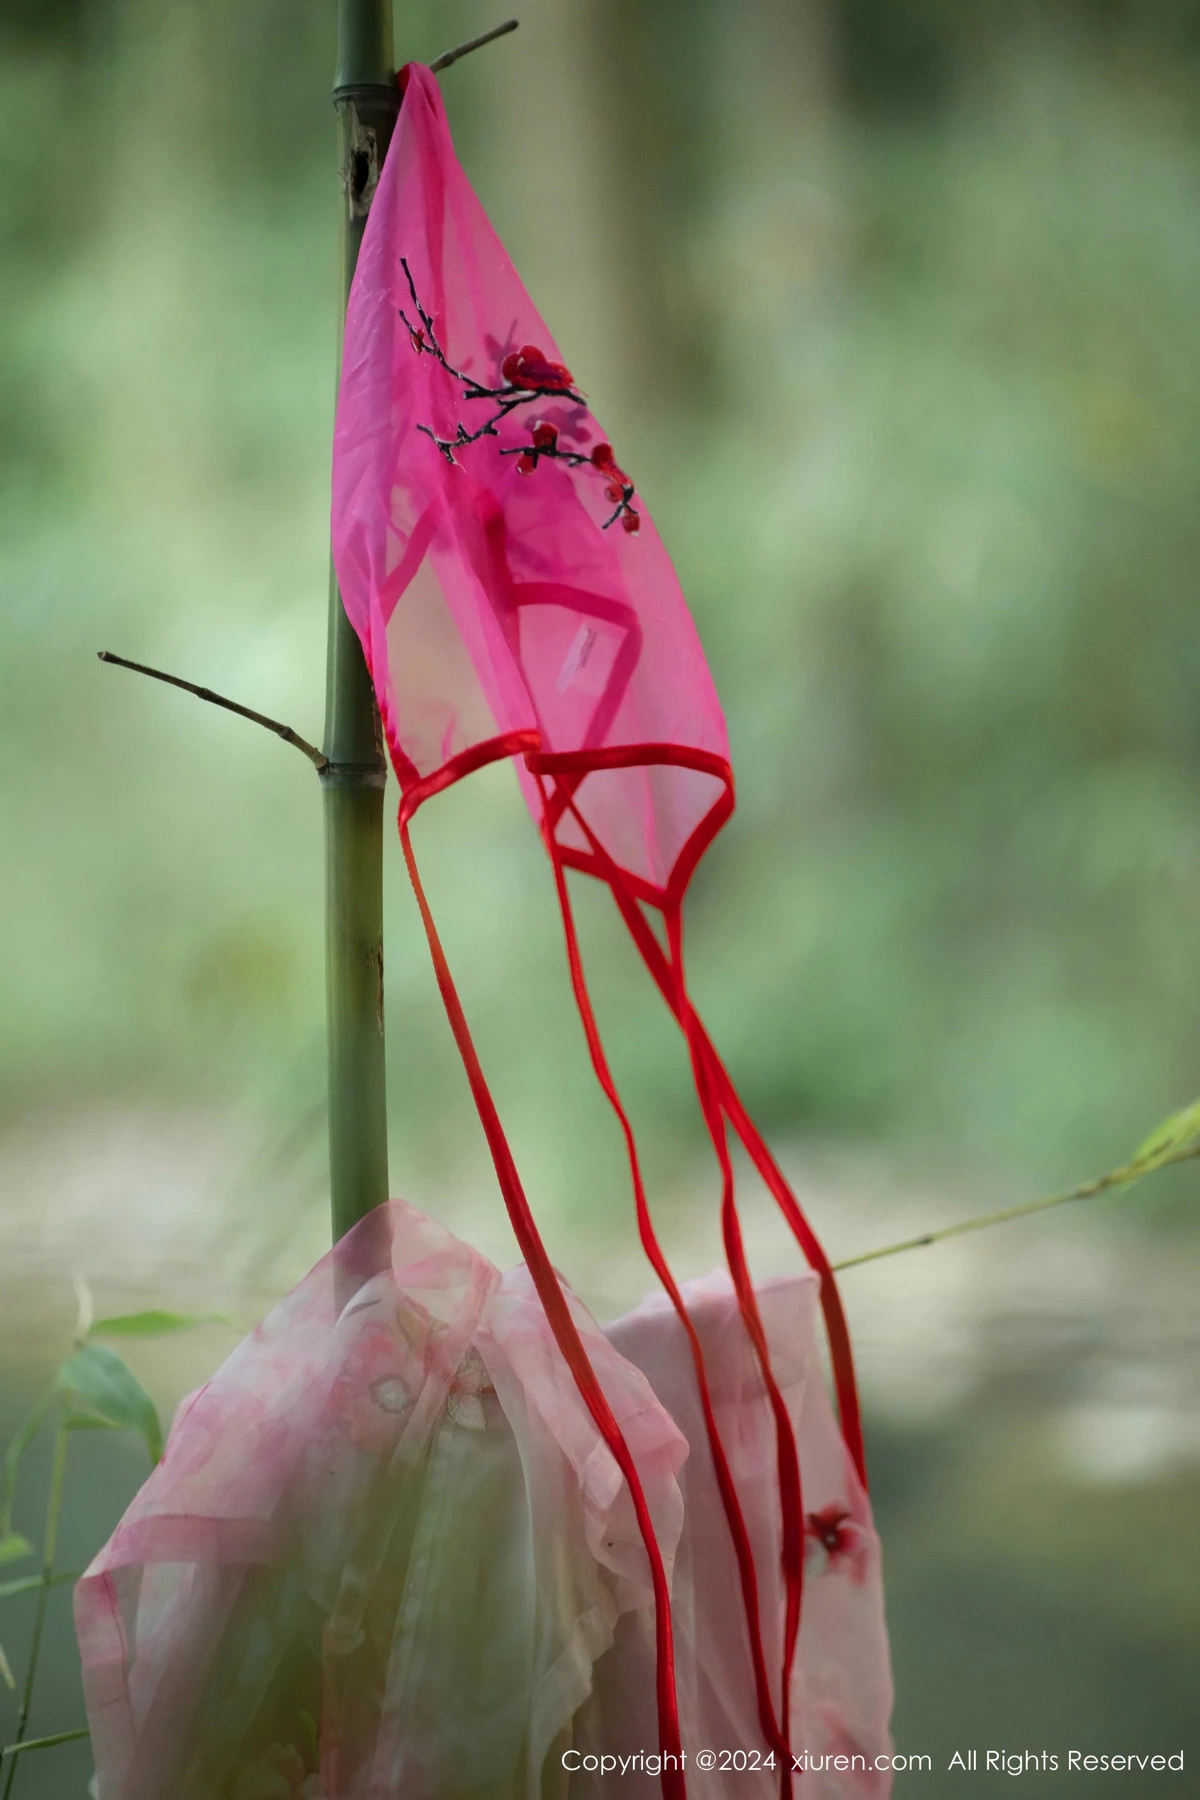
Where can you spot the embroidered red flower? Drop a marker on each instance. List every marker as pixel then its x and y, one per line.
pixel 543 442
pixel 844 1542
pixel 604 460
pixel 530 367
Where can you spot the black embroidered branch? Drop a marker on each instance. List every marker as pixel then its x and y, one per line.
pixel 617 485
pixel 527 375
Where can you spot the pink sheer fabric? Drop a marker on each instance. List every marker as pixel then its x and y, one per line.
pixel 494 599
pixel 388 1553
pixel 841 1684
pixel 514 600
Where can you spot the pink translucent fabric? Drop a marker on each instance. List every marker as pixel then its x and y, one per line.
pixel 491 601
pixel 387 1555
pixel 841 1684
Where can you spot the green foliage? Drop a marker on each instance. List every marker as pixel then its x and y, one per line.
pixel 12 1544
pixel 94 1389
pixel 153 1323
pixel 110 1393
pixel 1172 1140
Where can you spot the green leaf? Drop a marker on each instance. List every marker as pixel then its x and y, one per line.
pixel 74 1418
pixel 18 1444
pixel 46 1743
pixel 13 1546
pixel 152 1324
pixel 6 1674
pixel 107 1385
pixel 25 1584
pixel 1166 1140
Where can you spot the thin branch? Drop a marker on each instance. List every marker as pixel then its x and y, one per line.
pixel 476 43
pixel 319 762
pixel 1087 1190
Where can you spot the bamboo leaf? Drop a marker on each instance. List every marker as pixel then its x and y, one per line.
pixel 46 1743
pixel 75 1418
pixel 152 1324
pixel 107 1385
pixel 24 1584
pixel 1165 1142
pixel 18 1444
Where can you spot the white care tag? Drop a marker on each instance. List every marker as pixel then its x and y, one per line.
pixel 576 659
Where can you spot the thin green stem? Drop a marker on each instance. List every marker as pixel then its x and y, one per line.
pixel 1087 1190
pixel 44 1743
pixel 53 1509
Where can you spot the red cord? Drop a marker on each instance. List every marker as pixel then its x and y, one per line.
pixel 790 1492
pixel 776 1738
pixel 719 1103
pixel 601 864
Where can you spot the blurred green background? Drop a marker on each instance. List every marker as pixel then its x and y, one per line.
pixel 893 308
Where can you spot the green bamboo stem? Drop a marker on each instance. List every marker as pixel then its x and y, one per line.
pixel 53 1508
pixel 367 100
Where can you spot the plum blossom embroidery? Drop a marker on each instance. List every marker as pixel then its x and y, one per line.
pixel 617 486
pixel 525 374
pixel 844 1544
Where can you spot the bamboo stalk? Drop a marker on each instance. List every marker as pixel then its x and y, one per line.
pixel 367 101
